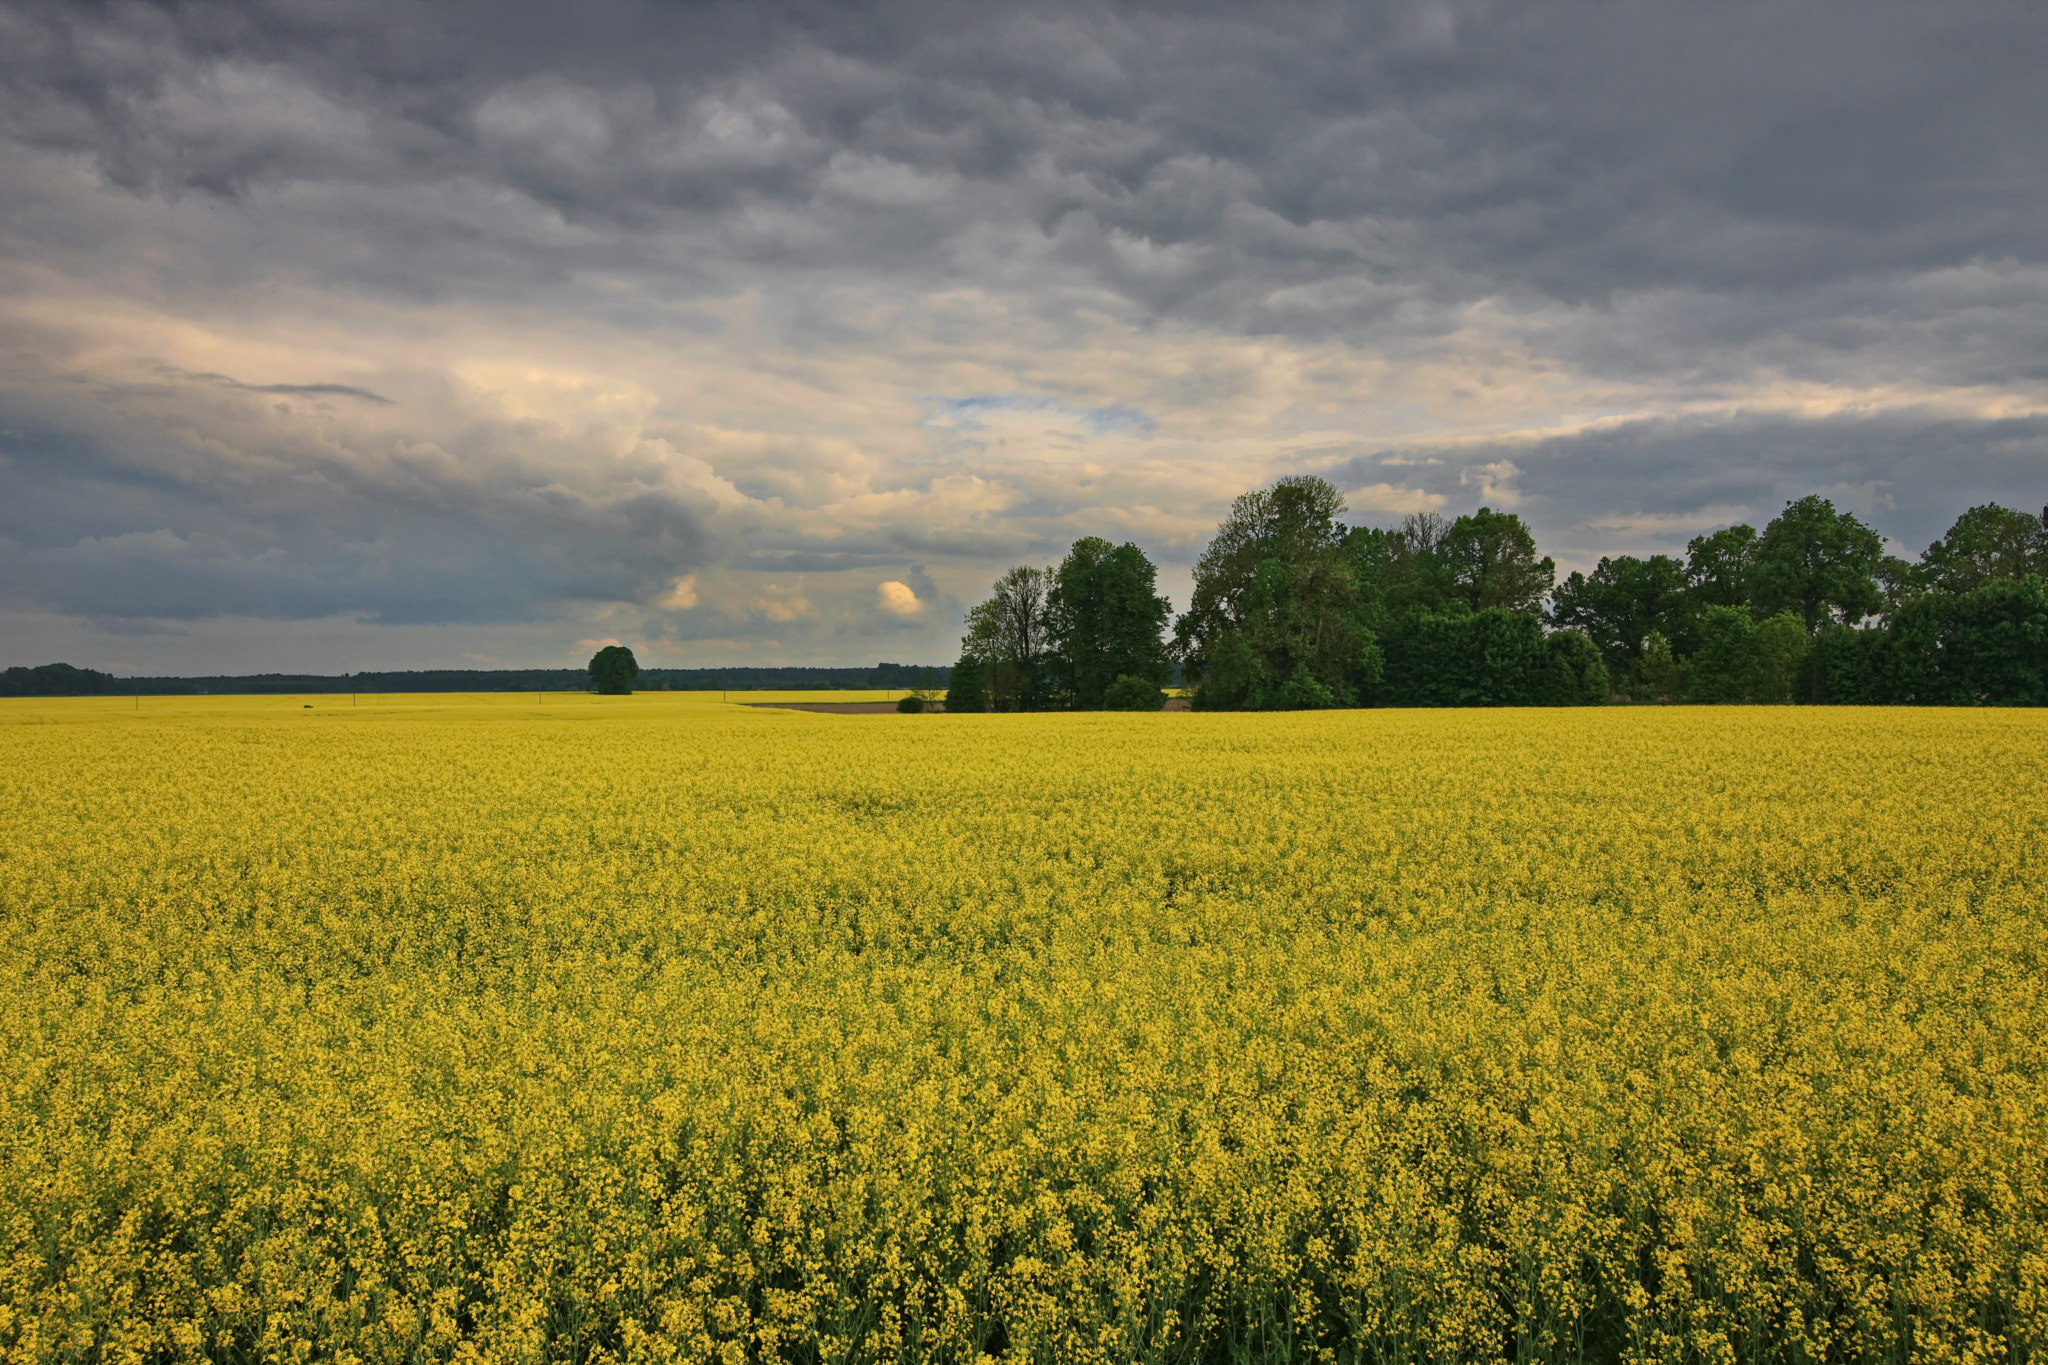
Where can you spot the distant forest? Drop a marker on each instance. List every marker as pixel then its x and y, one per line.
pixel 1293 610
pixel 62 680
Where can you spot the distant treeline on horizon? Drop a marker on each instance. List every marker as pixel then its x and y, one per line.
pixel 1294 610
pixel 63 680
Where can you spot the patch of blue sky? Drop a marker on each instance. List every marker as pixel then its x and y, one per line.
pixel 969 413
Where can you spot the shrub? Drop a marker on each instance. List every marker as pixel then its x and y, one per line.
pixel 1133 694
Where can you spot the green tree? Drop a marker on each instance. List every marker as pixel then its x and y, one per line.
pixel 1406 568
pixel 1899 580
pixel 967 688
pixel 1010 634
pixel 1493 562
pixel 1277 605
pixel 1718 670
pixel 1296 517
pixel 1720 568
pixel 1658 674
pixel 1987 544
pixel 1572 672
pixel 1819 564
pixel 1742 659
pixel 1105 620
pixel 1460 657
pixel 1845 664
pixel 1130 692
pixel 612 670
pixel 1778 654
pixel 1622 603
pixel 1985 647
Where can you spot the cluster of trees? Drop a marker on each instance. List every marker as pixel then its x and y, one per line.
pixel 1293 610
pixel 1813 609
pixel 1086 634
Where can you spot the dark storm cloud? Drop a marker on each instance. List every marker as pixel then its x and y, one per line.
pixel 1907 474
pixel 91 531
pixel 1598 209
pixel 1198 161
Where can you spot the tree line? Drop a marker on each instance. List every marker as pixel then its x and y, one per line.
pixel 63 680
pixel 1294 610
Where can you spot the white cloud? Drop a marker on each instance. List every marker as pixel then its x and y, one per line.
pixel 1385 497
pixel 1495 481
pixel 897 599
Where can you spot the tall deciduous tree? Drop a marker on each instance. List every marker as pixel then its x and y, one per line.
pixel 1408 568
pixel 1493 562
pixel 1622 603
pixel 1720 568
pixel 1274 619
pixel 1105 619
pixel 1010 634
pixel 1987 544
pixel 1819 564
pixel 1296 515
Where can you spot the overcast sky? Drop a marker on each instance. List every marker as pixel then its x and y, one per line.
pixel 339 336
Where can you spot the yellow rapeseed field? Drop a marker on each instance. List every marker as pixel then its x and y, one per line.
pixel 649 1028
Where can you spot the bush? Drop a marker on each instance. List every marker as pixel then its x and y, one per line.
pixel 910 706
pixel 1304 692
pixel 1780 651
pixel 1133 694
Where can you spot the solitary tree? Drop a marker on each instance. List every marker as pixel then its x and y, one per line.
pixel 612 670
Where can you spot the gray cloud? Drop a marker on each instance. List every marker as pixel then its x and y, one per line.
pixel 1652 485
pixel 123 535
pixel 1192 160
pixel 468 313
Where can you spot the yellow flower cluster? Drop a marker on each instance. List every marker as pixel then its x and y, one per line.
pixel 652 1029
